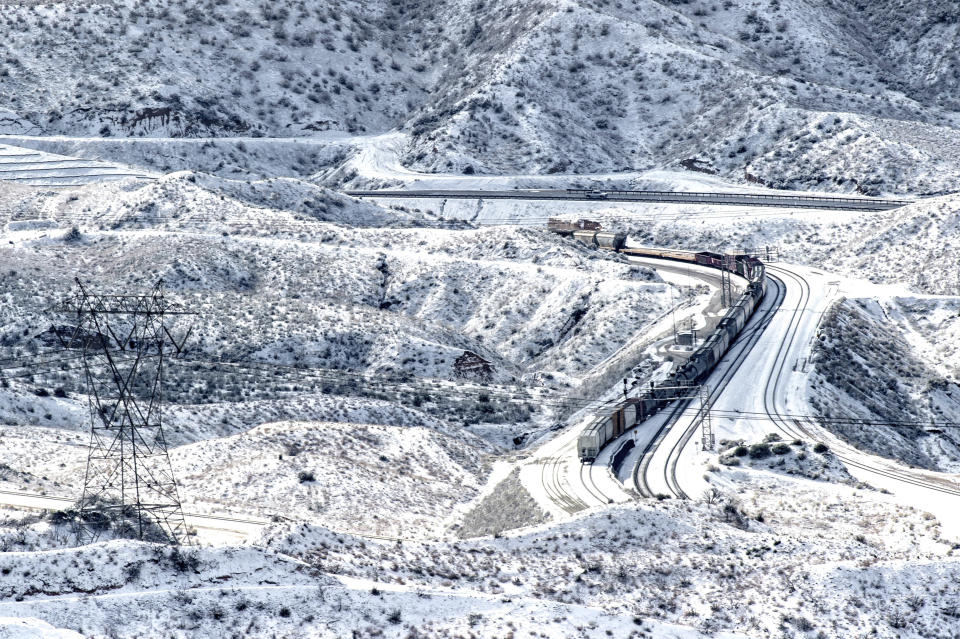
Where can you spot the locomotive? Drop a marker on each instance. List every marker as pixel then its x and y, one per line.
pixel 633 410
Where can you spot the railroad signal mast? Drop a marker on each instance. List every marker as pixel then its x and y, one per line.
pixel 728 267
pixel 764 253
pixel 125 341
pixel 689 392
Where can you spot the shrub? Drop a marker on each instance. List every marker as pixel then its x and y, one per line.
pixel 821 448
pixel 733 515
pixel 740 451
pixel 803 624
pixel 897 620
pixel 780 449
pixel 284 612
pixel 305 476
pixel 394 616
pixel 62 517
pixel 772 437
pixel 133 570
pixel 759 451
pixel 183 561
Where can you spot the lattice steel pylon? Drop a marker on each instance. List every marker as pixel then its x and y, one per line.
pixel 129 482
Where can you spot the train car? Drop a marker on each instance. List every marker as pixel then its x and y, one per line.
pixel 588 237
pixel 721 343
pixel 612 241
pixel 567 227
pixel 642 251
pixel 649 406
pixel 630 413
pixel 738 314
pixel 691 369
pixel 593 438
pixel 588 445
pixel 729 325
pixel 714 260
pixel 749 267
pixel 616 422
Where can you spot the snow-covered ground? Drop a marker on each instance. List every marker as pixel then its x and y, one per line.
pixel 422 458
pixel 374 423
pixel 37 168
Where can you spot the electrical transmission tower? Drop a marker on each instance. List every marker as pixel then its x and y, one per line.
pixel 125 340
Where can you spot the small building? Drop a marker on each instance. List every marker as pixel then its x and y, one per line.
pixel 472 366
pixel 685 338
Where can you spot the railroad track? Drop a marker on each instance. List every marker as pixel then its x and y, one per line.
pixel 666 197
pixel 551 476
pixel 194 520
pixel 805 429
pixel 789 425
pixel 591 485
pixel 741 348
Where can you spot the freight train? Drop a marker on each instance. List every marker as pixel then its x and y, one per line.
pixel 633 410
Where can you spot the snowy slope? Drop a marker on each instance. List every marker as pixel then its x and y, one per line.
pixel 36 168
pixel 791 93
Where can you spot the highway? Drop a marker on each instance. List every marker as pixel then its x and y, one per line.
pixel 784 200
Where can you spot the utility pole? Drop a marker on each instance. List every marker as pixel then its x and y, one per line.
pixel 125 341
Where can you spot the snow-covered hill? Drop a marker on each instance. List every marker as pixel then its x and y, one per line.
pixel 36 168
pixel 370 377
pixel 787 92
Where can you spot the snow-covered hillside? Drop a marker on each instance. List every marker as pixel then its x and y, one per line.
pixel 36 168
pixel 786 92
pixel 755 556
pixel 337 315
pixel 388 393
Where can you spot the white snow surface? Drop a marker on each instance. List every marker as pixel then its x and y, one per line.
pixel 37 168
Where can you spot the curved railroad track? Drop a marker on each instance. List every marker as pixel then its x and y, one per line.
pixel 591 485
pixel 805 429
pixel 741 348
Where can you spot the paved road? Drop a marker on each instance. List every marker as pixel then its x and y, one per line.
pixel 734 199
